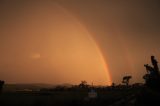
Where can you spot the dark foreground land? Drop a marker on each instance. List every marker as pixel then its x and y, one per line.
pixel 127 96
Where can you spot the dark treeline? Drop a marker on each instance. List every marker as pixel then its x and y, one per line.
pixel 1 85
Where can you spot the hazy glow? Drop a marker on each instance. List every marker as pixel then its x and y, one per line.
pixel 48 45
pixel 35 56
pixel 104 64
pixel 41 41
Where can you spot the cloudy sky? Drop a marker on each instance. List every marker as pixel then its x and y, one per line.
pixel 66 41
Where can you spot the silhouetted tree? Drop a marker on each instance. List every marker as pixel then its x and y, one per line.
pixel 113 85
pixel 152 78
pixel 1 85
pixel 83 84
pixel 154 63
pixel 150 94
pixel 126 80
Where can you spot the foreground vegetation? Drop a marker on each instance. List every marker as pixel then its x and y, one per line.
pixel 79 97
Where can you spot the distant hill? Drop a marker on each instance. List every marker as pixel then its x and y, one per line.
pixel 34 86
pixel 18 87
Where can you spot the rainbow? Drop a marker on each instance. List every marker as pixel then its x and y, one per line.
pixel 105 66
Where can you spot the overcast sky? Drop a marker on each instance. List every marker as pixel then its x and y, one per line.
pixel 126 32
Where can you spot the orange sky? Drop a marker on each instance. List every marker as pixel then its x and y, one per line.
pixel 66 41
pixel 46 44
